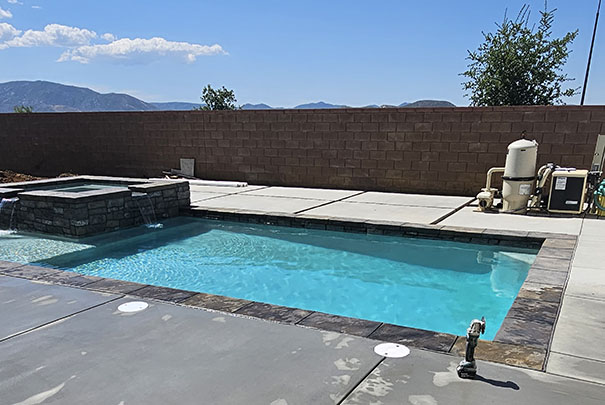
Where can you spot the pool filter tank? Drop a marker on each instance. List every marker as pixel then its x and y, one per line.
pixel 519 176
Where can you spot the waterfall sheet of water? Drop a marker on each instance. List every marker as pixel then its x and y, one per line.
pixel 148 212
pixel 9 205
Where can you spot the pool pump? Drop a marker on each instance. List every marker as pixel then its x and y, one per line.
pixel 519 176
pixel 468 367
pixel 525 190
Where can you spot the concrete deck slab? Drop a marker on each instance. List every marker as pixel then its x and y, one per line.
pixel 169 354
pixel 594 229
pixel 305 193
pixel 590 253
pixel 430 378
pixel 370 211
pixel 258 203
pixel 579 331
pixel 222 189
pixel 27 304
pixel 576 367
pixel 417 200
pixel 196 196
pixel 586 283
pixel 469 218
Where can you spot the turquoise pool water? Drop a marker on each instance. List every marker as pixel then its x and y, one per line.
pixel 420 283
pixel 87 187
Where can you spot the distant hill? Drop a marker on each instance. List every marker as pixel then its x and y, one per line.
pixel 260 106
pixel 428 103
pixel 55 97
pixel 319 105
pixel 176 106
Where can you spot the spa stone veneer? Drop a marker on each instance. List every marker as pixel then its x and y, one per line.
pixel 121 203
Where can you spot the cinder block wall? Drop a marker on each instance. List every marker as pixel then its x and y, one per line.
pixel 434 150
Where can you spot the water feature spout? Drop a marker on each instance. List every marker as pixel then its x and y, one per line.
pixel 468 367
pixel 6 205
pixel 147 211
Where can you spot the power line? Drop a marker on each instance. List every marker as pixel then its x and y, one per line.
pixel 594 33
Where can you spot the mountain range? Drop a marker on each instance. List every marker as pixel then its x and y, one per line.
pixel 45 96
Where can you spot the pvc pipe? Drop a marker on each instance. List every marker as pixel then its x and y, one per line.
pixel 215 183
pixel 490 172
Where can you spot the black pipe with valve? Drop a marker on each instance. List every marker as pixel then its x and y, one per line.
pixel 468 367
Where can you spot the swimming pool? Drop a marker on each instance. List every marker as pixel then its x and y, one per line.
pixel 422 283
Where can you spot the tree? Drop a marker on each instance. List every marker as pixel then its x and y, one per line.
pixel 23 109
pixel 519 65
pixel 219 99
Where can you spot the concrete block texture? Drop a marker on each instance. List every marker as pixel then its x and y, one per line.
pixel 290 147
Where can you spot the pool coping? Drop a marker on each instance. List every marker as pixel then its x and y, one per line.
pixel 523 340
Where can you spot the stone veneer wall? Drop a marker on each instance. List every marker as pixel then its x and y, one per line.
pixel 95 214
pixel 428 150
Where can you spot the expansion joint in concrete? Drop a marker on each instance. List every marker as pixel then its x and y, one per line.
pixel 47 324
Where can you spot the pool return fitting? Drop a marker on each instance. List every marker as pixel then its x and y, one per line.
pixel 468 367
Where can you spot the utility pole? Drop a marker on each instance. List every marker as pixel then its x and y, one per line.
pixel 594 33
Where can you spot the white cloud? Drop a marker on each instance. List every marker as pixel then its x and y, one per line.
pixel 5 13
pixel 140 50
pixel 36 7
pixel 14 2
pixel 7 32
pixel 81 45
pixel 53 35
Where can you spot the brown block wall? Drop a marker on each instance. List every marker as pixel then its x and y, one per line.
pixel 434 150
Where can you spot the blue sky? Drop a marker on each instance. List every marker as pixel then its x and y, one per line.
pixel 282 53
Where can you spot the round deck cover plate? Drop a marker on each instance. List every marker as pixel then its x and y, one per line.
pixel 133 306
pixel 393 350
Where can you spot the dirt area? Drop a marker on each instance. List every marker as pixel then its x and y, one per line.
pixel 8 176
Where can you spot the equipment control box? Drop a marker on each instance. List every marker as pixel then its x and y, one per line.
pixel 567 191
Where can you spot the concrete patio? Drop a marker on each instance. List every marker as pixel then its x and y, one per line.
pixel 67 345
pixel 64 345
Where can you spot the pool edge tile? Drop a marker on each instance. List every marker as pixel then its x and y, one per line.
pixel 418 338
pixel 162 293
pixel 275 313
pixel 504 353
pixel 340 324
pixel 215 302
pixel 114 286
pixel 31 272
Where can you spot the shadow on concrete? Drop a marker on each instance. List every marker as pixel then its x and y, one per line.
pixel 497 383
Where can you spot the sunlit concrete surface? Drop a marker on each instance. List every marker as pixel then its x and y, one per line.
pixel 173 354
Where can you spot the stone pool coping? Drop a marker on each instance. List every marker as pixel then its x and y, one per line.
pixel 523 340
pixel 125 188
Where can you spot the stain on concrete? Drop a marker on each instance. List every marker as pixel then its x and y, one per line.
pixel 344 343
pixel 44 395
pixel 422 400
pixel 443 378
pixel 220 319
pixel 374 386
pixel 348 364
pixel 341 379
pixel 166 317
pixel 329 337
pixel 40 299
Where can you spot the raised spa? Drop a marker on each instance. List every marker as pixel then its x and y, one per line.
pixel 87 205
